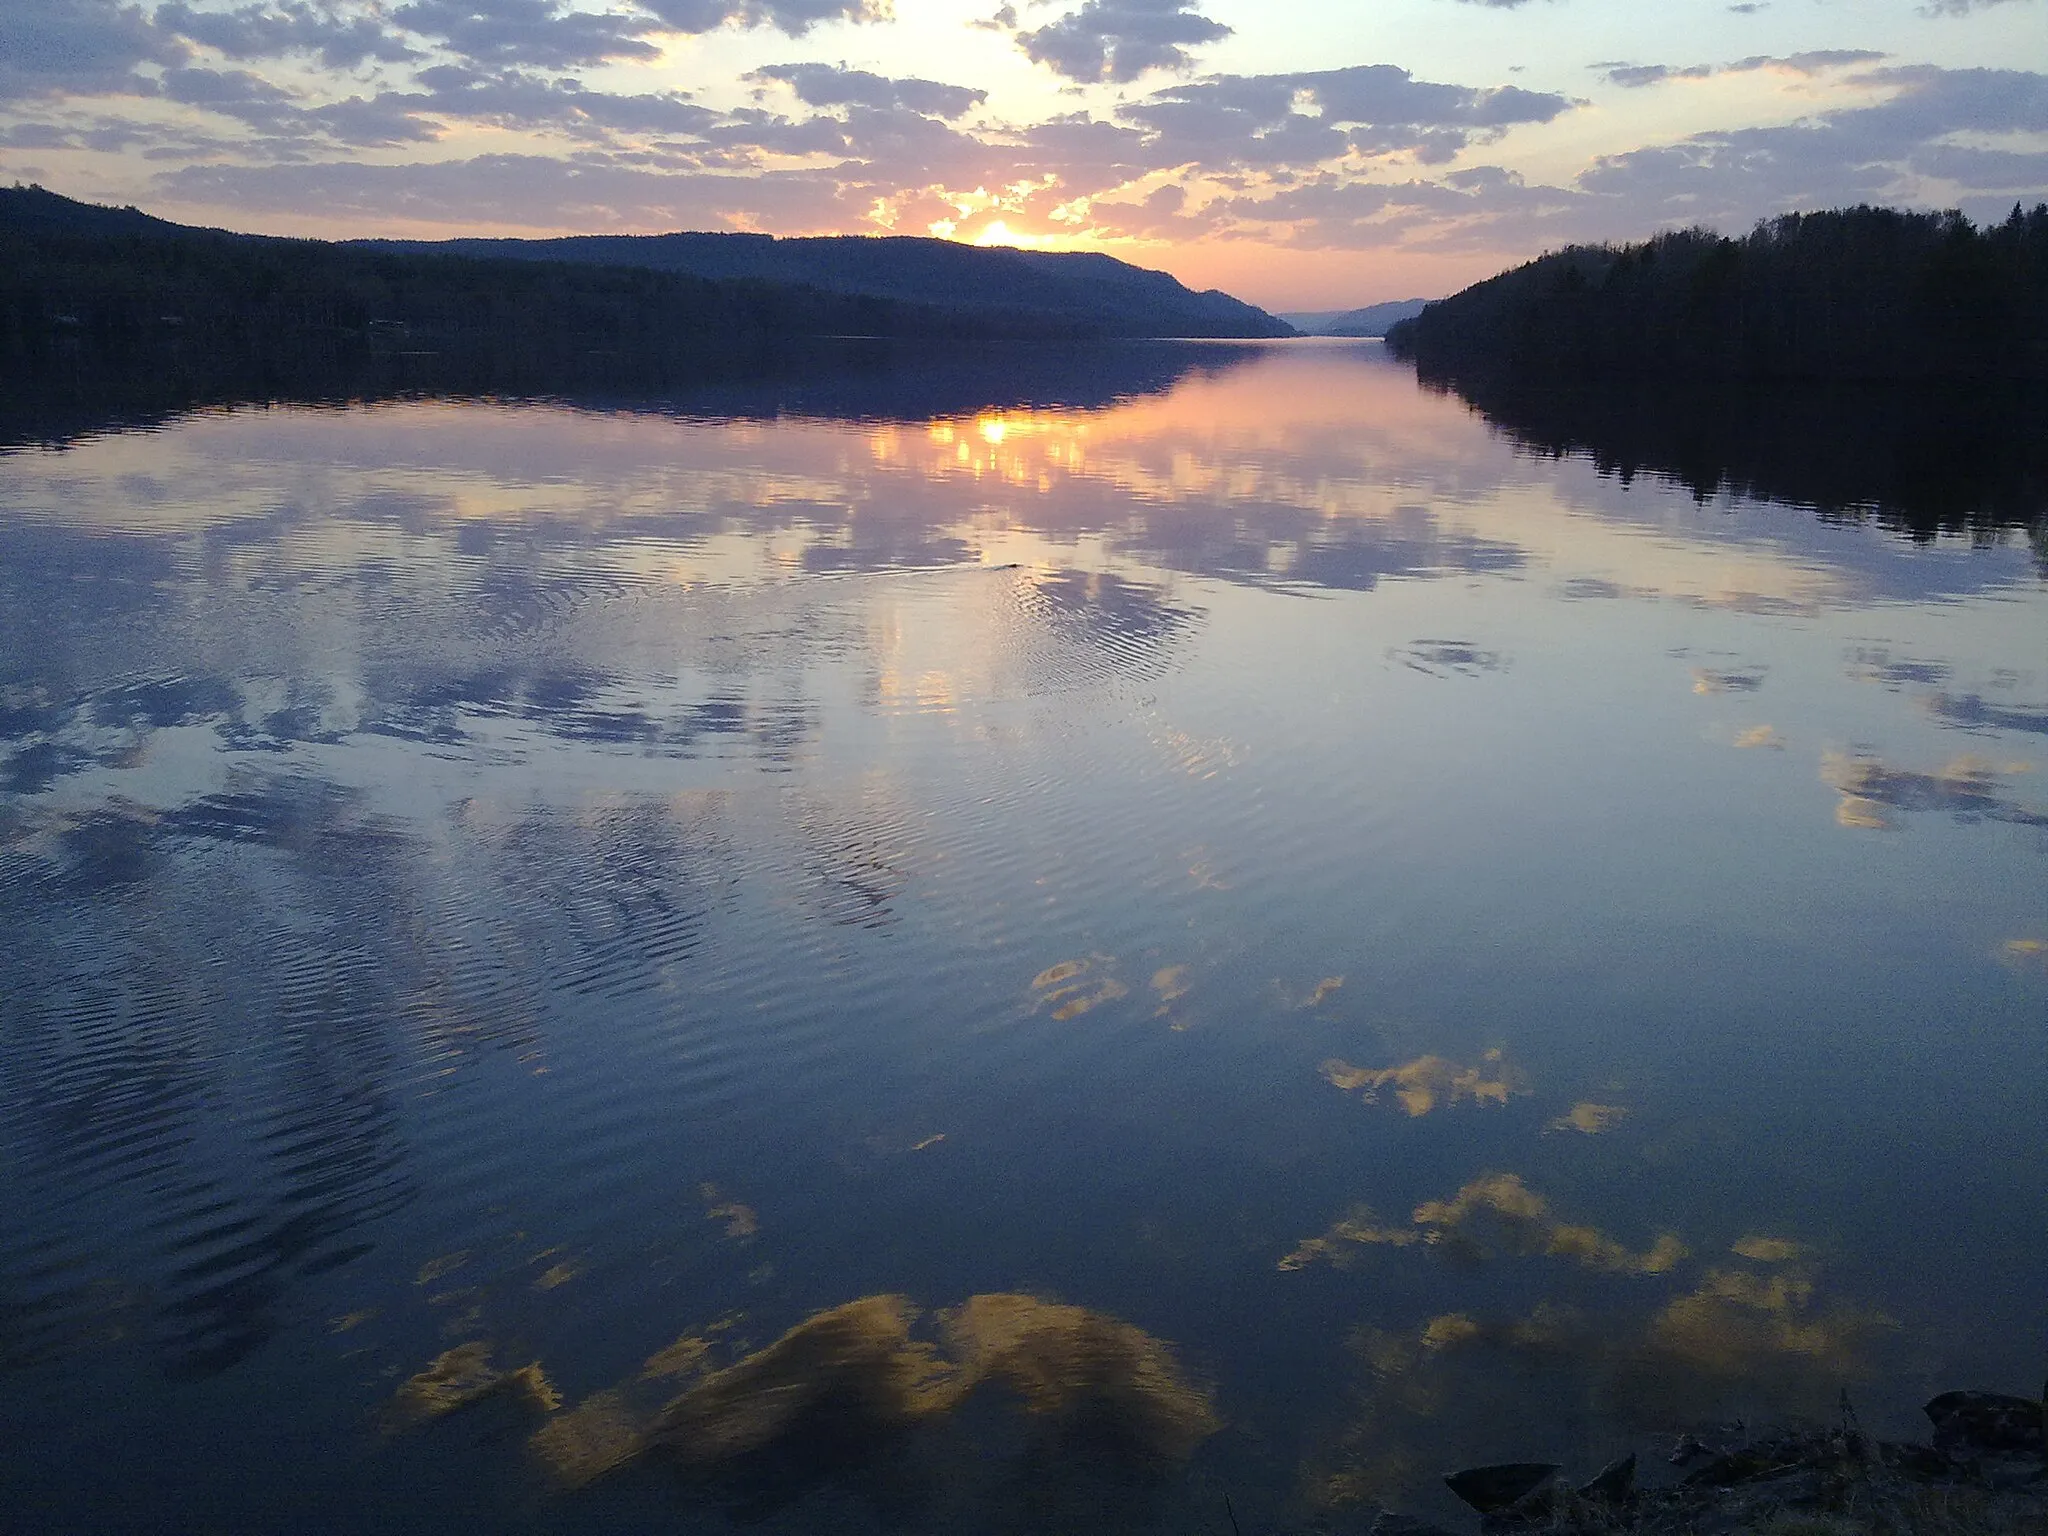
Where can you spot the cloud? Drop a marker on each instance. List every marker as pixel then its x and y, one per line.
pixel 260 31
pixel 1242 121
pixel 1120 40
pixel 1813 62
pixel 79 48
pixel 1873 153
pixel 539 32
pixel 794 17
pixel 826 85
pixel 532 192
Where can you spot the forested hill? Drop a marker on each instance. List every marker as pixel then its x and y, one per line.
pixel 1856 293
pixel 1076 289
pixel 117 284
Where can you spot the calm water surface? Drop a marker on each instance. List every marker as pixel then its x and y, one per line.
pixel 1481 961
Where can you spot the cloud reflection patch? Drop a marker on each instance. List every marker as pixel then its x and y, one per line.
pixel 1074 987
pixel 1492 1215
pixel 843 1383
pixel 1589 1119
pixel 1968 788
pixel 1428 1082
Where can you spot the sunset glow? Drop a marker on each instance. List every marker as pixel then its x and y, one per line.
pixel 1300 156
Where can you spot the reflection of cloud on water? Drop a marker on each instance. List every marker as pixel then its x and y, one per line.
pixel 1589 1119
pixel 1448 658
pixel 1074 987
pixel 1427 1082
pixel 1314 997
pixel 1969 712
pixel 2029 954
pixel 1728 1340
pixel 1113 626
pixel 1968 788
pixel 1768 1250
pixel 1874 664
pixel 1495 1214
pixel 846 1382
pixel 1727 679
pixel 461 1377
pixel 1760 736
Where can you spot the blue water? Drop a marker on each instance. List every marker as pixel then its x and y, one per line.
pixel 1479 960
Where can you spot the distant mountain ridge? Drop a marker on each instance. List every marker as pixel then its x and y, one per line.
pixel 1372 320
pixel 1120 299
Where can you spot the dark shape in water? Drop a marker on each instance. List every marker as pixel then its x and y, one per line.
pixel 831 378
pixel 1962 460
pixel 1488 1489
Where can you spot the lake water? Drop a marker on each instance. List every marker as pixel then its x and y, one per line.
pixel 1477 959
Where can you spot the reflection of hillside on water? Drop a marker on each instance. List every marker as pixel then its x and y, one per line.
pixel 1921 463
pixel 826 378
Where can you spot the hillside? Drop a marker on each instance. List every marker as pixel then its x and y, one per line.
pixel 77 269
pixel 1372 320
pixel 1080 289
pixel 1853 294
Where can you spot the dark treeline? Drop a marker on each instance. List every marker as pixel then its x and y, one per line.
pixel 103 307
pixel 1968 459
pixel 1857 293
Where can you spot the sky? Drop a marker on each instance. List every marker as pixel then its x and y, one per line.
pixel 1302 154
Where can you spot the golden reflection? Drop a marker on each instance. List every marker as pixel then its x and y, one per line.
pixel 1495 1212
pixel 1321 990
pixel 1068 991
pixel 599 1434
pixel 686 1357
pixel 857 1361
pixel 1761 736
pixel 741 1221
pixel 2029 953
pixel 1741 1326
pixel 1734 1341
pixel 1428 1081
pixel 447 1264
pixel 856 1373
pixel 1170 985
pixel 1053 975
pixel 1589 1119
pixel 1768 1250
pixel 1080 1369
pixel 462 1376
pixel 1355 1226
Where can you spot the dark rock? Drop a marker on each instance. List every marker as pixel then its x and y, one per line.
pixel 1989 1421
pixel 1614 1483
pixel 1487 1489
pixel 1916 1463
pixel 1689 1448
